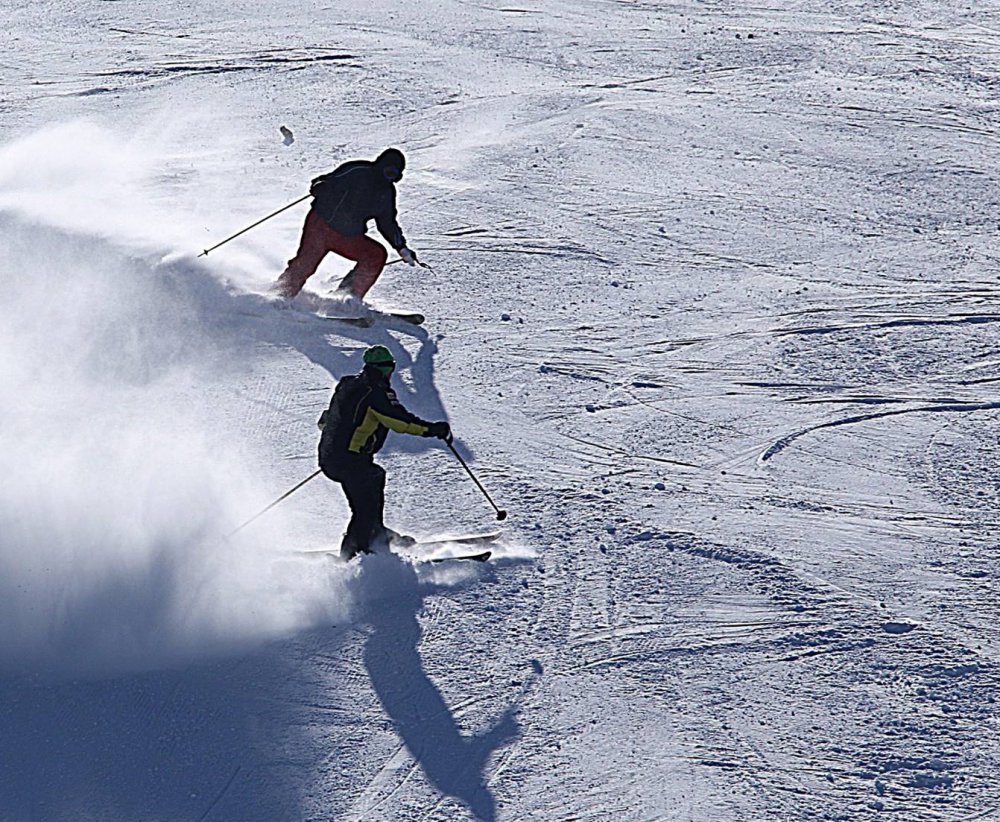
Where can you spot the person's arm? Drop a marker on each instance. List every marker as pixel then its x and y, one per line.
pixel 386 222
pixel 389 411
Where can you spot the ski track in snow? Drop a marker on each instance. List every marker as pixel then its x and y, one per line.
pixel 712 315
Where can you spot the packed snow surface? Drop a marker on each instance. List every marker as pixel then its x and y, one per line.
pixel 712 314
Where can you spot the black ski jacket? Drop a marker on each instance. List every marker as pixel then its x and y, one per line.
pixel 362 410
pixel 354 193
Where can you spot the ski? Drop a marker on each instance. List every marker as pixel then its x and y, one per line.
pixel 414 318
pixel 360 322
pixel 411 317
pixel 336 307
pixel 404 547
pixel 464 539
pixel 366 322
pixel 460 540
pixel 480 557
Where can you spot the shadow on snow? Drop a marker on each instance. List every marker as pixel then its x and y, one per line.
pixel 453 763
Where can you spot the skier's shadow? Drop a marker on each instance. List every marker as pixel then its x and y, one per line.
pixel 453 763
pixel 229 319
pixel 337 348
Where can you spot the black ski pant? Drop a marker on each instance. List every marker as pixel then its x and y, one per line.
pixel 364 486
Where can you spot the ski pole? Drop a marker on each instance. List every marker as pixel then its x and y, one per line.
pixel 400 259
pixel 501 514
pixel 245 230
pixel 279 499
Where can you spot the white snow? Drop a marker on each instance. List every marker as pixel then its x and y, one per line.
pixel 711 315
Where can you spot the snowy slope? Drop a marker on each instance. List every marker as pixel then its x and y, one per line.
pixel 712 316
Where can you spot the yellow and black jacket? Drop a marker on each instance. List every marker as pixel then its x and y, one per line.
pixel 362 411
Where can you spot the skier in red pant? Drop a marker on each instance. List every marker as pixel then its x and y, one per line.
pixel 343 202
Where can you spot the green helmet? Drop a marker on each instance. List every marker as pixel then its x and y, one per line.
pixel 380 357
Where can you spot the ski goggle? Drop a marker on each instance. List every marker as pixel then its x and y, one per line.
pixel 392 174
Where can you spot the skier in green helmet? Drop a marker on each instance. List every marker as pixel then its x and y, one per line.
pixel 362 411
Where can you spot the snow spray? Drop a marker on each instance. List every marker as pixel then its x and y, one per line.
pixel 117 479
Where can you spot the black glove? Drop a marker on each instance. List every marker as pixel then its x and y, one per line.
pixel 441 430
pixel 317 184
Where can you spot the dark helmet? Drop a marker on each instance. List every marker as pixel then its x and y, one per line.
pixel 391 162
pixel 381 357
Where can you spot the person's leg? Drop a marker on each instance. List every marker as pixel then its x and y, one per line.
pixel 357 535
pixel 365 491
pixel 376 497
pixel 352 543
pixel 313 247
pixel 369 257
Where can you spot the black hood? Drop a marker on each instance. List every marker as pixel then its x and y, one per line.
pixel 391 158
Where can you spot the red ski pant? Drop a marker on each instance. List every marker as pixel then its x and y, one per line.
pixel 318 240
